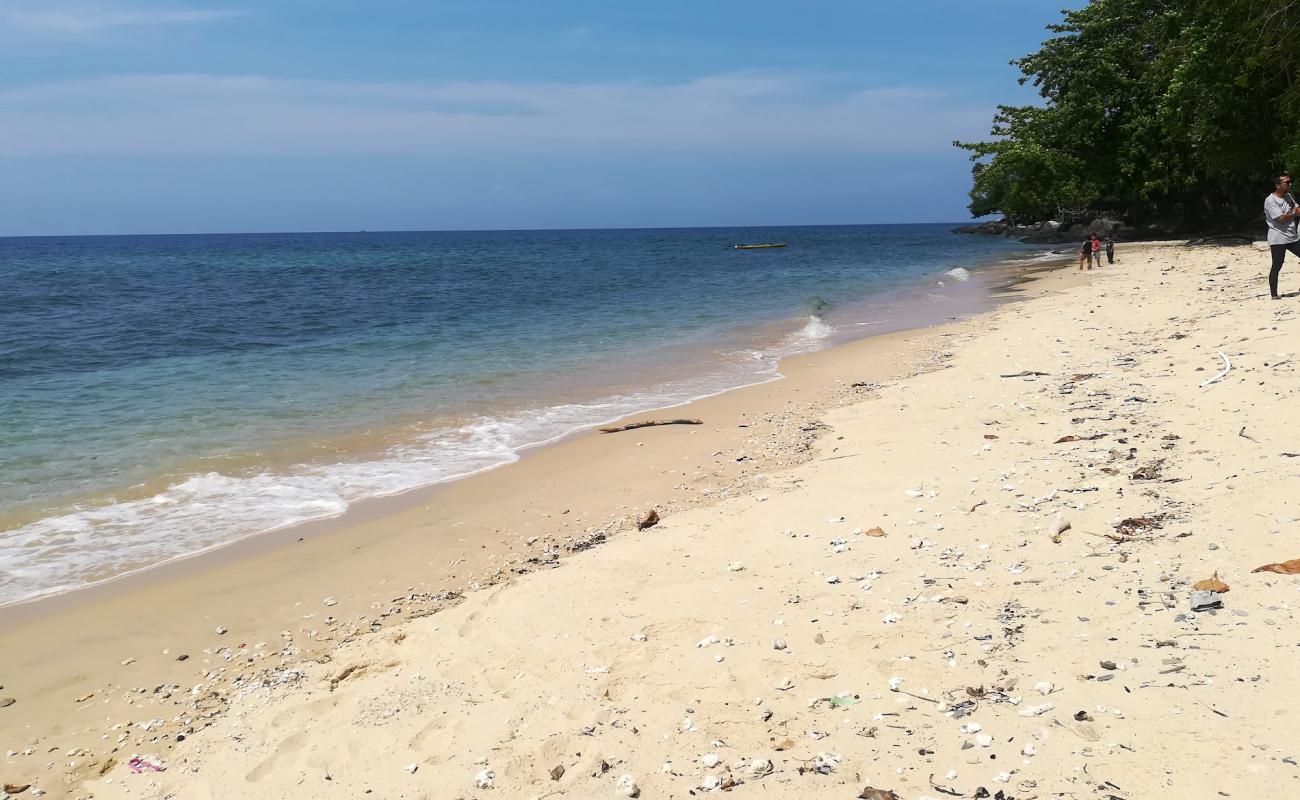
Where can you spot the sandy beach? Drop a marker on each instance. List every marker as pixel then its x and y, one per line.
pixel 954 562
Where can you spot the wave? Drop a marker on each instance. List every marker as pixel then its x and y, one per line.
pixel 205 512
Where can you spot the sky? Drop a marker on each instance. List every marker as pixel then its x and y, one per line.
pixel 201 116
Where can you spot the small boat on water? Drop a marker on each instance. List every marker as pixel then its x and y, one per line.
pixel 756 246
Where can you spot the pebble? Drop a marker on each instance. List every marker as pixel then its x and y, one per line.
pixel 221 630
pixel 778 644
pixel 627 787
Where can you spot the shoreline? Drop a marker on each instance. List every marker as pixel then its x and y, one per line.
pixel 991 278
pixel 382 556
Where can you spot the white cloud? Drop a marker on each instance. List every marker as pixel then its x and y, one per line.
pixel 89 18
pixel 193 114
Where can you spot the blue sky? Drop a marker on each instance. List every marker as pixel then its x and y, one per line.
pixel 144 117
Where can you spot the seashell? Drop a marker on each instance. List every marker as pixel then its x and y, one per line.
pixel 484 779
pixel 778 644
pixel 711 760
pixel 1044 687
pixel 971 727
pixel 735 566
pixel 832 579
pixel 891 618
pixel 894 683
pixel 983 740
pixel 760 767
pixel 712 783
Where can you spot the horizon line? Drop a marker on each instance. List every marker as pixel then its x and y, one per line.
pixel 475 230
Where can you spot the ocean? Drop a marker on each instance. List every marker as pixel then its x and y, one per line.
pixel 165 395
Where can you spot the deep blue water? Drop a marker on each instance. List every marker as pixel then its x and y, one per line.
pixel 164 394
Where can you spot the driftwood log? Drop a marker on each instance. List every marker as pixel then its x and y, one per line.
pixel 651 422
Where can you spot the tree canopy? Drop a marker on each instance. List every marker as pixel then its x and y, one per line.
pixel 1176 110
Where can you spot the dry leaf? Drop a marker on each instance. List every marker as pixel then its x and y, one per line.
pixel 877 794
pixel 1291 567
pixel 557 772
pixel 782 746
pixel 1211 585
pixel 990 436
pixel 1070 438
pixel 876 532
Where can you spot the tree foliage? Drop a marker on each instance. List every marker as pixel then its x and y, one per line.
pixel 1174 110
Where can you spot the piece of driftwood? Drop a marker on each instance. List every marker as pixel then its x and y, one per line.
pixel 650 422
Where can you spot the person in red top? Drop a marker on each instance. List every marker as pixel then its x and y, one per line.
pixel 1095 245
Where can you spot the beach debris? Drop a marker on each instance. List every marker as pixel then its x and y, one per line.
pixel 760 767
pixel 557 772
pixel 1034 711
pixel 869 793
pixel 16 788
pixel 650 423
pixel 1211 585
pixel 1134 525
pixel 1291 567
pixel 844 700
pixel 783 745
pixel 1075 438
pixel 627 787
pixel 5 702
pixel 222 630
pixel 330 601
pixel 1223 373
pixel 711 760
pixel 1028 373
pixel 736 566
pixel 648 520
pixel 140 764
pixel 876 532
pixel 412 767
pixel 1205 601
pixel 823 763
pixel 1044 687
pixel 778 644
pixel 484 779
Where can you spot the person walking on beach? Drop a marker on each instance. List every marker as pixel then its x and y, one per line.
pixel 1094 244
pixel 1281 214
pixel 1110 249
pixel 1085 254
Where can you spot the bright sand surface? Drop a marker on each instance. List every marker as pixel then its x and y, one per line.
pixel 760 636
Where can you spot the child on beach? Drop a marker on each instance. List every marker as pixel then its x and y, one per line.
pixel 1094 245
pixel 1085 255
pixel 1110 249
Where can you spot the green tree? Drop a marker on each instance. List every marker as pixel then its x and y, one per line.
pixel 1155 109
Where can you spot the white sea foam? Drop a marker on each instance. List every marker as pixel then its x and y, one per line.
pixel 208 511
pixel 815 331
pixel 959 273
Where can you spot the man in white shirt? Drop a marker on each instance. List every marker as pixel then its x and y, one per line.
pixel 1281 214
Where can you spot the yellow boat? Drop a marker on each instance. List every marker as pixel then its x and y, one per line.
pixel 756 246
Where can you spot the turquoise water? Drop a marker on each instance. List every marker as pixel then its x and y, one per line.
pixel 162 395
